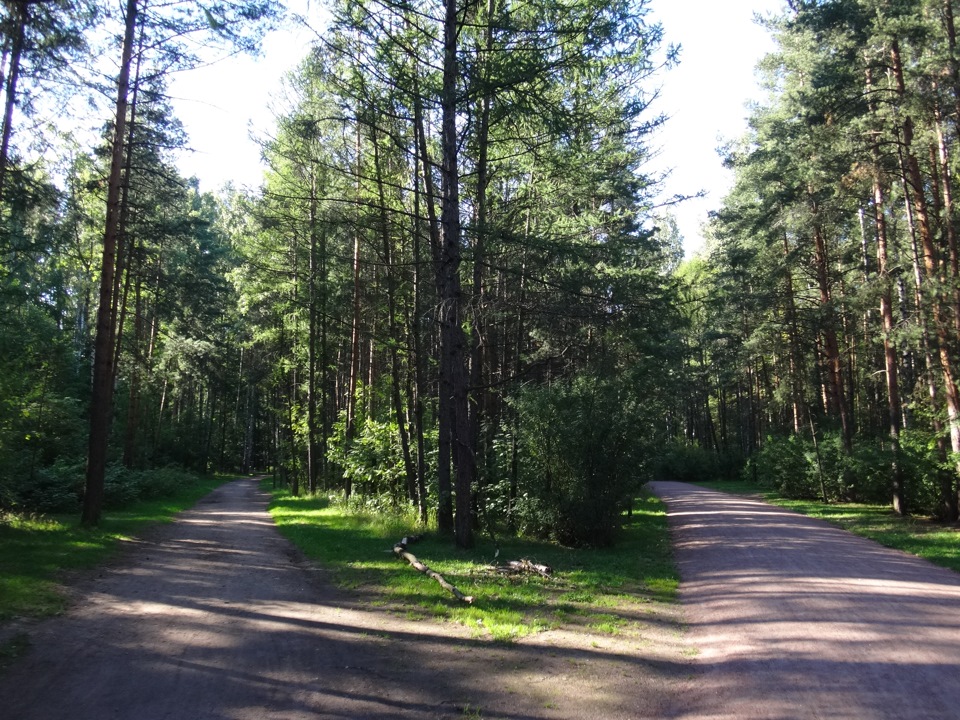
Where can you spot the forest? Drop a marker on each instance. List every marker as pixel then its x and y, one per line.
pixel 456 294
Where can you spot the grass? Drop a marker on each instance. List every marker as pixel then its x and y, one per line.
pixel 938 543
pixel 36 551
pixel 587 588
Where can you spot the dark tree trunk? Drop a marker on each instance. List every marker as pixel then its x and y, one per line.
pixel 453 344
pixel 13 76
pixel 102 391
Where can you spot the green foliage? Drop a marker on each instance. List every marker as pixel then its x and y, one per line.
pixel 687 462
pixel 924 471
pixel 784 464
pixel 56 489
pixel 789 465
pixel 584 457
pixel 373 460
pixel 59 488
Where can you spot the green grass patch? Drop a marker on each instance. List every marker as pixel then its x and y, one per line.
pixel 926 538
pixel 357 548
pixel 35 551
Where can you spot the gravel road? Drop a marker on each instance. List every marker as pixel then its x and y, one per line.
pixel 796 619
pixel 216 616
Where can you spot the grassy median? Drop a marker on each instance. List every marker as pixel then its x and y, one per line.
pixel 602 590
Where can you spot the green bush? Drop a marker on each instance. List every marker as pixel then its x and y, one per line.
pixel 120 487
pixel 685 462
pixel 790 466
pixel 59 488
pixel 923 471
pixel 56 489
pixel 583 458
pixel 784 464
pixel 163 482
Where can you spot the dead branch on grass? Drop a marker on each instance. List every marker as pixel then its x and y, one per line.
pixel 400 550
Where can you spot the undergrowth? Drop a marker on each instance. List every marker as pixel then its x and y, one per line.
pixel 604 589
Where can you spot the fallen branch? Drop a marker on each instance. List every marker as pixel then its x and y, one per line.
pixel 400 550
pixel 524 567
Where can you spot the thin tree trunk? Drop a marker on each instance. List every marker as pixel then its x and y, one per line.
pixel 313 460
pixel 444 399
pixel 419 360
pixel 891 366
pixel 355 326
pixel 392 329
pixel 889 349
pixel 16 52
pixel 831 346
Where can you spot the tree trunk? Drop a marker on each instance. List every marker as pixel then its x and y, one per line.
pixel 453 351
pixel 392 329
pixel 102 391
pixel 889 349
pixel 355 325
pixel 13 76
pixel 837 401
pixel 313 460
pixel 938 319
pixel 444 414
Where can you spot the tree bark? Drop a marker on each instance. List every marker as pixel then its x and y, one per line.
pixel 453 351
pixel 444 415
pixel 102 391
pixel 930 257
pixel 13 76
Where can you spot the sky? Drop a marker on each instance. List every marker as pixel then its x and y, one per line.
pixel 226 105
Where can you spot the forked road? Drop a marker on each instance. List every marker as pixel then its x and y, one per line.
pixel 215 617
pixel 796 619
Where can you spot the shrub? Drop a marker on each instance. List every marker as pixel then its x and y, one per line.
pixel 790 466
pixel 56 489
pixel 686 462
pixel 120 487
pixel 784 464
pixel 583 458
pixel 163 482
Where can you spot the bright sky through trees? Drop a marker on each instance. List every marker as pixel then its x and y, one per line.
pixel 705 96
pixel 224 104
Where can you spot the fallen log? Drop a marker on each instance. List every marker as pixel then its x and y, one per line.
pixel 400 550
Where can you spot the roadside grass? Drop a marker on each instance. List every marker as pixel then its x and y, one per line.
pixel 605 590
pixel 926 538
pixel 35 551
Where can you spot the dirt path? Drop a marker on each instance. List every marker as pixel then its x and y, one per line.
pixel 215 616
pixel 796 619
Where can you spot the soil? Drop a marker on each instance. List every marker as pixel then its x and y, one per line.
pixel 217 616
pixel 795 618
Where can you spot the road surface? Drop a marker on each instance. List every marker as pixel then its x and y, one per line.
pixel 797 619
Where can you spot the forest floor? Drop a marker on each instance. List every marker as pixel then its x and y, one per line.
pixel 217 616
